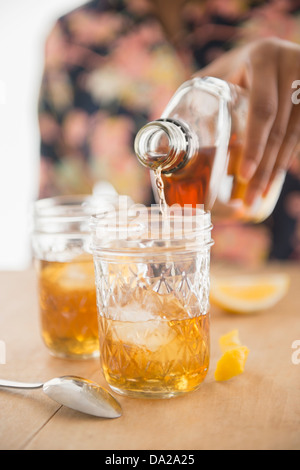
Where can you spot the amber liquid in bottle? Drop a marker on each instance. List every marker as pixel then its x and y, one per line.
pixel 191 185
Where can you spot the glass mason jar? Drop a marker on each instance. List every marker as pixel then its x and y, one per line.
pixel 152 281
pixel 65 271
pixel 195 150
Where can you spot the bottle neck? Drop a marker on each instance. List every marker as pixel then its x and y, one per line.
pixel 163 144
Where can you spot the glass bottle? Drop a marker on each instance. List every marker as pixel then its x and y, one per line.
pixel 195 149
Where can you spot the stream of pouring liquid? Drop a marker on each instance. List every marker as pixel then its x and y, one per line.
pixel 161 193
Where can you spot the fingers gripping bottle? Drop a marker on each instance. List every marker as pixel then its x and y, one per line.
pixel 195 150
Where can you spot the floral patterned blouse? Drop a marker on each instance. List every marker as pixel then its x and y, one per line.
pixel 109 69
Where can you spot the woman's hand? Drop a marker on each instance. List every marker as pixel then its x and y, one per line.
pixel 269 69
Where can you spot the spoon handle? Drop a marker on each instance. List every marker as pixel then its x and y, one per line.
pixel 12 384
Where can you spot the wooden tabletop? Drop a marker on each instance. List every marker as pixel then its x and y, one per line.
pixel 257 410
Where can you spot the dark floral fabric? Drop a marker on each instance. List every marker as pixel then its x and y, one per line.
pixel 109 69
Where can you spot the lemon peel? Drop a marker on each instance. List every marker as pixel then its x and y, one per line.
pixel 229 341
pixel 233 359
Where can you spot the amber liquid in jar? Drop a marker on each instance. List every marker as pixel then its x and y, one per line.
pixel 68 309
pixel 191 185
pixel 163 355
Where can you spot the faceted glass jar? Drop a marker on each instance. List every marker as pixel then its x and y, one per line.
pixel 65 273
pixel 152 280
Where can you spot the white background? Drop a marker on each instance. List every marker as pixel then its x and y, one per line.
pixel 24 25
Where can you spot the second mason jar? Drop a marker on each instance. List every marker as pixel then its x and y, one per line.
pixel 152 280
pixel 65 274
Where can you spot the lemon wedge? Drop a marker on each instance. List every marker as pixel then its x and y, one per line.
pixel 232 363
pixel 233 359
pixel 248 293
pixel 229 341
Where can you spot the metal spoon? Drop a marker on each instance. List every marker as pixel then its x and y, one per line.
pixel 76 393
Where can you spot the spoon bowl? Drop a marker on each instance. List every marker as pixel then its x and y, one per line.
pixel 76 393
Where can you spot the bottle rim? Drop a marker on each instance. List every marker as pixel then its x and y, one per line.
pixel 172 131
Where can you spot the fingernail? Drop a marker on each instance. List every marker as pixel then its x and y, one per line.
pixel 251 197
pixel 247 170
